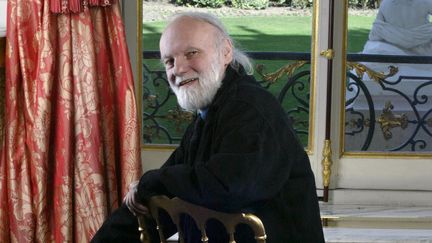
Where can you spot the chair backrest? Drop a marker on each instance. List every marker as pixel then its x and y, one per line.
pixel 175 207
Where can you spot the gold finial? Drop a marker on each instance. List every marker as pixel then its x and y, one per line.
pixel 329 54
pixel 327 162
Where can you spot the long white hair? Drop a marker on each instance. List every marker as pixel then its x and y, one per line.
pixel 240 59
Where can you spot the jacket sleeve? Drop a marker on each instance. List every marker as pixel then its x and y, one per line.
pixel 252 155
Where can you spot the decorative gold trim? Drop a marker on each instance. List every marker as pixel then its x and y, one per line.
pixel 159 147
pixel 361 69
pixel 142 229
pixel 177 116
pixel 344 79
pixel 312 88
pixel 326 163
pixel 176 207
pixel 329 54
pixel 353 123
pixel 386 155
pixel 139 63
pixel 288 70
pixel 388 120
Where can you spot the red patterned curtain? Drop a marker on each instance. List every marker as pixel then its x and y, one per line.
pixel 71 144
pixel 74 6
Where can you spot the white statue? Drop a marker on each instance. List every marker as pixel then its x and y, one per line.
pixel 401 27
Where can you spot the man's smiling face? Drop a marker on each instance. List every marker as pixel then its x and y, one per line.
pixel 195 59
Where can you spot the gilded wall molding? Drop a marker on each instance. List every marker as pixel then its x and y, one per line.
pixel 2 86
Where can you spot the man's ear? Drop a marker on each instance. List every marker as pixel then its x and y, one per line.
pixel 227 51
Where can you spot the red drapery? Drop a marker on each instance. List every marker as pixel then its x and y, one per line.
pixel 71 144
pixel 75 6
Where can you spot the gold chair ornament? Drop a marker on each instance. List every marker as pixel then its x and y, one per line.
pixel 175 207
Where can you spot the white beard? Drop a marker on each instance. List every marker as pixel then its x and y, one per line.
pixel 201 93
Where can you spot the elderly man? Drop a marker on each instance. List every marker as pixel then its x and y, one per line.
pixel 239 155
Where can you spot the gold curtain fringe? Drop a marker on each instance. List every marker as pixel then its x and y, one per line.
pixel 76 6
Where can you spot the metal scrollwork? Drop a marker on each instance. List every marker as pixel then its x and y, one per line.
pixel 388 120
pixel 363 118
pixel 292 93
pixel 361 69
pixel 163 120
pixel 407 108
pixel 288 70
pixel 179 116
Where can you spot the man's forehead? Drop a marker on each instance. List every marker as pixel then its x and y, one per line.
pixel 187 33
pixel 186 24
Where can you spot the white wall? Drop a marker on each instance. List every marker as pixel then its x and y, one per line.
pixel 3 11
pixel 130 16
pixel 154 158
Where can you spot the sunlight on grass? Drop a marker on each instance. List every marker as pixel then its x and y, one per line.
pixel 358 31
pixel 285 33
pixel 275 33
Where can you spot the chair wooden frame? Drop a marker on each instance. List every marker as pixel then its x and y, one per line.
pixel 175 207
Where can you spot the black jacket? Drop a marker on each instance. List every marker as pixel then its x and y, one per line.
pixel 244 157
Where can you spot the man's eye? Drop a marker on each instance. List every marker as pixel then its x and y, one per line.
pixel 190 54
pixel 168 62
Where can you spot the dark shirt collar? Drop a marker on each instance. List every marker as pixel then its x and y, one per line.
pixel 203 113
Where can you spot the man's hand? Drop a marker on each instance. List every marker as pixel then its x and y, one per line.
pixel 131 200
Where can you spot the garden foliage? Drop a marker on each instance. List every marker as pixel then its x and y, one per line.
pixel 201 3
pixel 262 4
pixel 250 4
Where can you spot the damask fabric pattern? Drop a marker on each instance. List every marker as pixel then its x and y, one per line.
pixel 71 144
pixel 75 6
pixel 2 85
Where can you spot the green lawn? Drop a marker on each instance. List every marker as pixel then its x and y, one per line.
pixel 253 33
pixel 358 31
pixel 278 33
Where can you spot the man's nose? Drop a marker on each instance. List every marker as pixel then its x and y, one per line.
pixel 181 66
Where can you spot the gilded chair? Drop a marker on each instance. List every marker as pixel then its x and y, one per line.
pixel 176 207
